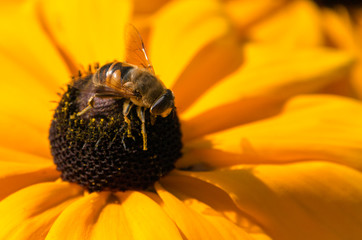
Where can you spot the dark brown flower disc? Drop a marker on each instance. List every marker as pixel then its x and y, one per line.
pixel 100 151
pixel 331 3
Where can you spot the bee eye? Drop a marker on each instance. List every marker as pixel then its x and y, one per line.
pixel 163 104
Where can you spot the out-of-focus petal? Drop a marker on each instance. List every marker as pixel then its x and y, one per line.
pixel 342 32
pixel 30 212
pixel 191 53
pixel 27 44
pixel 220 202
pixel 147 7
pixel 19 170
pixel 245 14
pixel 129 215
pixel 296 25
pixel 203 223
pixel 311 200
pixel 258 89
pixel 90 31
pixel 322 127
pixel 339 29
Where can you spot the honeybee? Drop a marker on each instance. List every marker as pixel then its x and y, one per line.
pixel 135 81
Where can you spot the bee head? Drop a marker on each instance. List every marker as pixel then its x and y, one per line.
pixel 164 104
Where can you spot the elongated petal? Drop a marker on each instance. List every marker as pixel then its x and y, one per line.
pixel 312 200
pixel 130 215
pixel 342 30
pixel 203 223
pixel 18 134
pixel 24 99
pixel 19 170
pixel 90 31
pixel 258 89
pixel 147 7
pixel 29 213
pixel 323 127
pixel 78 219
pixel 110 224
pixel 338 27
pixel 184 50
pixel 212 203
pixel 18 157
pixel 143 218
pixel 245 14
pixel 32 74
pixel 26 43
pixel 296 25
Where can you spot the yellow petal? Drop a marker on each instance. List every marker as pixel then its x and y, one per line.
pixel 110 224
pixel 129 215
pixel 78 219
pixel 20 135
pixel 219 206
pixel 147 7
pixel 29 213
pixel 32 72
pixel 17 157
pixel 143 218
pixel 88 31
pixel 339 29
pixel 296 25
pixel 198 224
pixel 268 77
pixel 19 170
pixel 323 127
pixel 183 49
pixel 245 14
pixel 27 45
pixel 311 200
pixel 25 98
pixel 30 81
pixel 342 32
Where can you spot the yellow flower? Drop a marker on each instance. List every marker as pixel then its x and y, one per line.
pixel 264 157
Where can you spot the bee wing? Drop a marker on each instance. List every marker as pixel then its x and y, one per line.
pixel 135 49
pixel 116 90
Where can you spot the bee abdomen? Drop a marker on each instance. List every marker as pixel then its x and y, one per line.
pixel 107 71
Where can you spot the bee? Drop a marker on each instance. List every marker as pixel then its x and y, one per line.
pixel 133 80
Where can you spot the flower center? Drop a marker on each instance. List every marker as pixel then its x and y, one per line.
pixel 347 3
pixel 99 150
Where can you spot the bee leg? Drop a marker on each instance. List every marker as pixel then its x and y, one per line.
pixel 127 105
pixel 141 115
pixel 89 107
pixel 115 137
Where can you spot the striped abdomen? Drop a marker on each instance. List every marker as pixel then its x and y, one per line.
pixel 112 74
